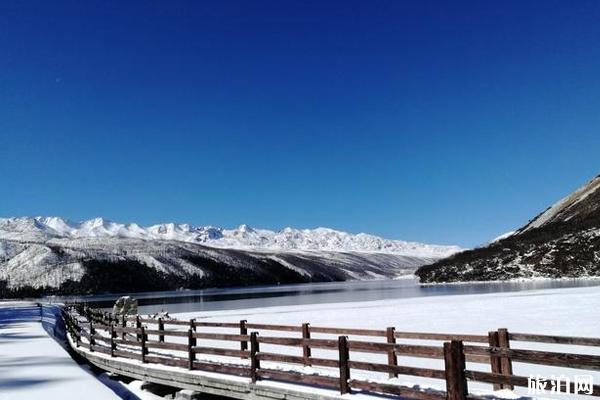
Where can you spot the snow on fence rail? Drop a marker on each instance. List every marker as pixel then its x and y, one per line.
pixel 130 338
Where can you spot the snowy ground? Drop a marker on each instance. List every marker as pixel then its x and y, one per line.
pixel 571 312
pixel 34 366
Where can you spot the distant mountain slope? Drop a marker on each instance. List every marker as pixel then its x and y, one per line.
pixel 51 255
pixel 562 241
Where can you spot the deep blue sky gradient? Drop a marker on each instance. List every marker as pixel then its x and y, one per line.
pixel 446 122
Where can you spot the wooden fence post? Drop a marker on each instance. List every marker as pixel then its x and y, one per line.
pixel 112 340
pixel 191 345
pixel 254 361
pixel 456 382
pixel 70 324
pixel 72 328
pixel 161 328
pixel 143 340
pixel 67 322
pixel 73 331
pixel 390 334
pixel 123 325
pixel 306 353
pixel 78 334
pixel 138 325
pixel 76 330
pixel 495 365
pixel 92 332
pixel 243 332
pixel 344 368
pixel 505 361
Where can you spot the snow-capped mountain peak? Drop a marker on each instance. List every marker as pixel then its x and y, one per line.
pixel 242 237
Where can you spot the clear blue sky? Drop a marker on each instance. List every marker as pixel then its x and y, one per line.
pixel 429 121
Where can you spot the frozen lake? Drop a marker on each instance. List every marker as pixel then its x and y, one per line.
pixel 315 293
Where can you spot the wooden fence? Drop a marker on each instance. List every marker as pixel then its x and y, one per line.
pixel 132 338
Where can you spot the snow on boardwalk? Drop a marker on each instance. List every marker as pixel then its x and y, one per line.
pixel 34 366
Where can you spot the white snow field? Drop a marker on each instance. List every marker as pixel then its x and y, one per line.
pixel 34 366
pixel 568 312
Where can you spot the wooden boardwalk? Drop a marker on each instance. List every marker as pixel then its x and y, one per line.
pixel 167 352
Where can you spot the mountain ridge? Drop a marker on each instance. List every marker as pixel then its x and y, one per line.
pixel 50 255
pixel 562 241
pixel 242 237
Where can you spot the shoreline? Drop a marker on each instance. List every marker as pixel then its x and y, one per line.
pixel 217 290
pixel 512 280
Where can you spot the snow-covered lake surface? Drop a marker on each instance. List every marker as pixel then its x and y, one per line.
pixel 317 293
pixel 566 311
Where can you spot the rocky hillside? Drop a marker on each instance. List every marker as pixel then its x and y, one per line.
pixel 562 241
pixel 50 256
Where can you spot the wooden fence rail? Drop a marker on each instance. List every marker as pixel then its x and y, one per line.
pixel 150 340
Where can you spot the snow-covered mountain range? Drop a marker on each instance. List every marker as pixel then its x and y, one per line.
pixel 562 241
pixel 242 237
pixel 41 255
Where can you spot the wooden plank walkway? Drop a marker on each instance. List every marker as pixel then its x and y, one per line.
pixel 211 383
